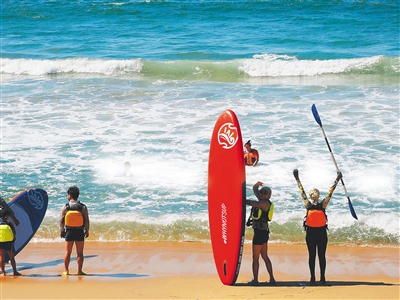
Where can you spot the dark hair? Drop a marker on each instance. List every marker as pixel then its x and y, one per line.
pixel 248 143
pixel 4 213
pixel 265 190
pixel 73 191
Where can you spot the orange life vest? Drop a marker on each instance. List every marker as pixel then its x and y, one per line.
pixel 74 218
pixel 315 217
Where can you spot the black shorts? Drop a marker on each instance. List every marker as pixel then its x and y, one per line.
pixel 74 235
pixel 6 246
pixel 260 236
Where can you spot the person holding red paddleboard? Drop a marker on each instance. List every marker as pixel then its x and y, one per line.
pixel 260 216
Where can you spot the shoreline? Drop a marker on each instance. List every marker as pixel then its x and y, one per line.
pixel 185 270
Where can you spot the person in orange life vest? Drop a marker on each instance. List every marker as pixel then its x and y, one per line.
pixel 251 156
pixel 7 239
pixel 316 226
pixel 74 229
pixel 261 232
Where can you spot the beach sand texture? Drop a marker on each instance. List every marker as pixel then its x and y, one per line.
pixel 163 270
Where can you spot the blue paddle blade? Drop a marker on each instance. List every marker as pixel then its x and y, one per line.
pixel 352 211
pixel 316 115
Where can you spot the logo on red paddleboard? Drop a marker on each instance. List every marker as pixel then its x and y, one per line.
pixel 227 135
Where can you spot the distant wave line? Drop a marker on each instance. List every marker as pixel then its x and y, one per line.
pixel 259 66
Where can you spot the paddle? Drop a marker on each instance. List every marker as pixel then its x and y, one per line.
pixel 318 119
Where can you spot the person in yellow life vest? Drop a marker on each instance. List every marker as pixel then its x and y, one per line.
pixel 316 225
pixel 261 230
pixel 74 227
pixel 7 238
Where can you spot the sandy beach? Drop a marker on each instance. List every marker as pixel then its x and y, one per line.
pixel 162 270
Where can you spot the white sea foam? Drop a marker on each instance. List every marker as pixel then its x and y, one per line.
pixel 265 65
pixel 72 65
pixel 282 65
pixel 68 130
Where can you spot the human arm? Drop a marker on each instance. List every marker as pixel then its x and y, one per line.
pixel 13 229
pixel 256 156
pixel 303 194
pixel 327 198
pixel 255 162
pixel 261 204
pixel 85 214
pixel 256 191
pixel 61 221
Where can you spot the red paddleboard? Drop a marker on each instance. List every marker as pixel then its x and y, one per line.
pixel 226 196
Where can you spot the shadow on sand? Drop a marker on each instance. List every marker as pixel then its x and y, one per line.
pixel 29 266
pixel 319 284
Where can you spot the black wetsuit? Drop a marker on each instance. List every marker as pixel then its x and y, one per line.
pixel 317 238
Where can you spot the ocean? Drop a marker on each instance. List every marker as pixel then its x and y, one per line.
pixel 89 85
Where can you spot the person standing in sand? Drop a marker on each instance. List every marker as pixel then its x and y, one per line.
pixel 251 156
pixel 7 238
pixel 261 231
pixel 316 225
pixel 74 227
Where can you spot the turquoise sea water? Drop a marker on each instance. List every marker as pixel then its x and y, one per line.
pixel 88 85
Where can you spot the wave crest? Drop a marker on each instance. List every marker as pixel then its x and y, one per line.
pixel 71 65
pixel 259 66
pixel 267 65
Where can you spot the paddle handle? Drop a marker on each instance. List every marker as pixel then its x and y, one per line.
pixel 334 160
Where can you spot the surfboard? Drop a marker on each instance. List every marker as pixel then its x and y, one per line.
pixel 226 196
pixel 29 207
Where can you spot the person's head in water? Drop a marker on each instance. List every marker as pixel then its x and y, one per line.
pixel 248 145
pixel 314 195
pixel 265 193
pixel 127 166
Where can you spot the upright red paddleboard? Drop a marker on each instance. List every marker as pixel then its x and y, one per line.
pixel 226 196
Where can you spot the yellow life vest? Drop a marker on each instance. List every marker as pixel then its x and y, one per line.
pixel 6 233
pixel 74 218
pixel 257 213
pixel 271 212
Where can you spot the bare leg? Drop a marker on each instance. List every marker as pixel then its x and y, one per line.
pixel 2 266
pixel 268 264
pixel 67 255
pixel 256 264
pixel 79 251
pixel 13 263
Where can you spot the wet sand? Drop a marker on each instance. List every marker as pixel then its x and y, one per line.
pixel 163 270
